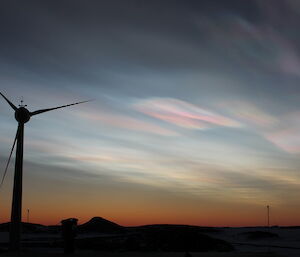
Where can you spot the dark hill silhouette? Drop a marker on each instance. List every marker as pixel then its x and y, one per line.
pixel 182 238
pixel 26 227
pixel 176 227
pixel 291 227
pixel 100 225
pixel 102 234
pixel 169 238
pixel 257 235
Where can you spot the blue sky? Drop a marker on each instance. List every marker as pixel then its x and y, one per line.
pixel 193 101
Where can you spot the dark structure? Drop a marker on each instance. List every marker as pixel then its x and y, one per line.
pixel 22 116
pixel 69 227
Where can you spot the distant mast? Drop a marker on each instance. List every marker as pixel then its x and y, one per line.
pixel 268 215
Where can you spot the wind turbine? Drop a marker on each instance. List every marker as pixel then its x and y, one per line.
pixel 22 115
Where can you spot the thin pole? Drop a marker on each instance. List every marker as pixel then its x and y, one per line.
pixel 16 209
pixel 268 213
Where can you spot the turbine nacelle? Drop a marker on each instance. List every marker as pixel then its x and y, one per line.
pixel 22 115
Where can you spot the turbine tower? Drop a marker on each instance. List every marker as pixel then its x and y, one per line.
pixel 22 115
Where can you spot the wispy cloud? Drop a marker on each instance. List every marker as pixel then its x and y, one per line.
pixel 183 114
pixel 281 130
pixel 287 135
pixel 248 113
pixel 127 122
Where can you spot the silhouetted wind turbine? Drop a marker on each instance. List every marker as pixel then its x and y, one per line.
pixel 22 116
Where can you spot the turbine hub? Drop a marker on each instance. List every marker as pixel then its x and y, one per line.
pixel 22 115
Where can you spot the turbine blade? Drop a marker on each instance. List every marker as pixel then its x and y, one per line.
pixel 51 109
pixel 9 158
pixel 9 102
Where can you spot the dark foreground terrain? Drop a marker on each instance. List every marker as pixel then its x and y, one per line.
pixel 100 237
pixel 143 254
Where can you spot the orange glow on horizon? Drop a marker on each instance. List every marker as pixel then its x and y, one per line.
pixel 134 217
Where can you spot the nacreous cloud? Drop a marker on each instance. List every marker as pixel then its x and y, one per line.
pixel 183 114
pixel 286 135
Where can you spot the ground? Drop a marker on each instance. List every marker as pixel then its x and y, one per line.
pixel 248 242
pixel 138 254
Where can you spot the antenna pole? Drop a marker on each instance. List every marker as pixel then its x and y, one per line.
pixel 268 213
pixel 16 209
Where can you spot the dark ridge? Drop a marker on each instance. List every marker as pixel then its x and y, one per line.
pixel 256 235
pixel 111 236
pixel 182 238
pixel 101 225
pixel 291 227
pixel 26 227
pixel 157 238
pixel 175 227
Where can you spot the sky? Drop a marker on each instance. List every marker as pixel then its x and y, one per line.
pixel 195 117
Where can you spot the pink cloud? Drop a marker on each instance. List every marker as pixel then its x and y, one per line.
pixel 248 113
pixel 183 114
pixel 287 134
pixel 126 122
pixel 288 139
